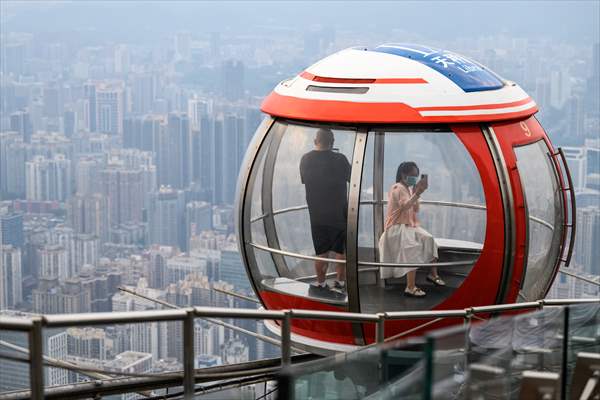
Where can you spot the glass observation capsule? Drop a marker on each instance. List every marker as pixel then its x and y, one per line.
pixel 395 172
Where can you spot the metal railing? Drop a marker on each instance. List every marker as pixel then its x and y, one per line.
pixel 34 327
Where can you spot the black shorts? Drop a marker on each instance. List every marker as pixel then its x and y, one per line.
pixel 328 238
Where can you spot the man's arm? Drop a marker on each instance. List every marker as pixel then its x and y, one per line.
pixel 347 168
pixel 302 168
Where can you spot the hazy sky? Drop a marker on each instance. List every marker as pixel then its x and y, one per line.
pixel 572 21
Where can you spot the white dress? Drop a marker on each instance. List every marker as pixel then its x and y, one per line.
pixel 402 244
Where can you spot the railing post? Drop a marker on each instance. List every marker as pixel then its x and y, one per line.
pixel 286 338
pixel 189 380
pixel 467 325
pixel 36 359
pixel 380 328
pixel 565 352
pixel 468 317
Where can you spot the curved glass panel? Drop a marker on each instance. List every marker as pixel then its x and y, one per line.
pixel 261 262
pixel 543 197
pixel 310 194
pixel 442 230
pixel 299 199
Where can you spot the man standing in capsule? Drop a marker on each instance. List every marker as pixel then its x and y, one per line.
pixel 325 175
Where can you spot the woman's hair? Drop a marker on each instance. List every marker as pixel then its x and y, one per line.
pixel 405 168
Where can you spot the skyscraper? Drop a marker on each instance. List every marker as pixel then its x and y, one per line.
pixel 13 58
pixel 132 132
pixel 231 269
pixel 197 108
pixel 110 108
pixel 204 156
pixel 20 122
pixel 182 45
pixel 234 148
pixel 89 92
pixel 218 169
pixel 11 226
pixel 54 262
pixel 122 59
pixel 166 217
pixel 12 164
pixel 577 162
pixel 69 123
pixel 158 265
pixel 11 277
pixel 87 342
pixel 85 252
pixel 174 158
pixel 143 92
pixel 124 191
pixel 87 175
pixel 587 250
pixel 54 297
pixel 151 128
pixel 232 80
pixel 52 101
pixel 16 157
pixel 88 214
pixel 198 218
pixel 48 179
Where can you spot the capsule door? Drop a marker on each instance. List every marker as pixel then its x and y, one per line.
pixel 539 207
pixel 290 233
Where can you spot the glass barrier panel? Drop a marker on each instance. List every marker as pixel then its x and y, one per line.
pixel 583 336
pixel 537 344
pixel 392 371
pixel 448 362
pixel 14 374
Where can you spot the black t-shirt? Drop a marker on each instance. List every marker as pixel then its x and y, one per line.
pixel 325 175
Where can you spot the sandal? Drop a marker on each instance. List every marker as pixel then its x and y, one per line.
pixel 436 280
pixel 415 292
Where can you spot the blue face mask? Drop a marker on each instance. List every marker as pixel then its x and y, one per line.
pixel 411 180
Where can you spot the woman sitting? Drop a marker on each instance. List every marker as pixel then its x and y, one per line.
pixel 404 241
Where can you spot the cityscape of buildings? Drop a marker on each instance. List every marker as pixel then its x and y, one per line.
pixel 119 162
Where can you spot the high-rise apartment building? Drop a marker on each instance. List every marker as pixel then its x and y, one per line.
pixel 87 175
pixel 20 122
pixel 166 222
pixel 89 92
pixel 52 101
pixel 198 218
pixel 11 278
pixel 587 248
pixel 87 342
pixel 122 59
pixel 11 226
pixel 52 297
pixel 89 214
pixel 110 108
pixel 232 80
pixel 69 123
pixel 143 91
pixel 54 262
pixel 577 162
pixel 174 152
pixel 124 190
pixel 48 179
